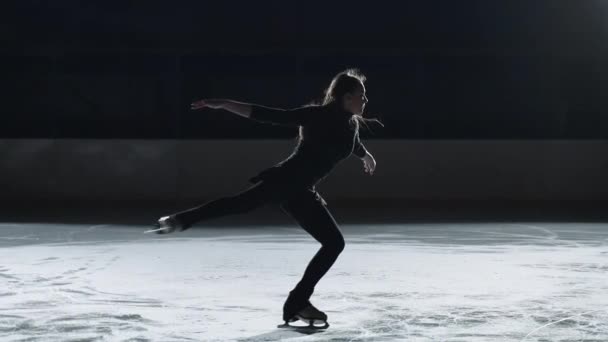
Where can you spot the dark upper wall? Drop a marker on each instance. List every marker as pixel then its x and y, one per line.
pixel 505 24
pixel 436 69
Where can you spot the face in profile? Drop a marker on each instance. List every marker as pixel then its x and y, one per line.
pixel 356 101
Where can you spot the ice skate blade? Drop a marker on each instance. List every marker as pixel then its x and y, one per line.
pixel 308 327
pixel 311 322
pixel 153 230
pixel 160 230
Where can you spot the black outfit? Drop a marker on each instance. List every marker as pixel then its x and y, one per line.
pixel 328 135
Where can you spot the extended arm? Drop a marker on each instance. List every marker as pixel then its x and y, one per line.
pixel 289 117
pixel 240 108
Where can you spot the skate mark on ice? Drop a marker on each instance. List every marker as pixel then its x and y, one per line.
pixel 281 334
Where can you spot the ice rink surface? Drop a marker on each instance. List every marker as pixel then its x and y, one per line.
pixel 393 282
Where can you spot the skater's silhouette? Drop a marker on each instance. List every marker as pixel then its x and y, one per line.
pixel 328 133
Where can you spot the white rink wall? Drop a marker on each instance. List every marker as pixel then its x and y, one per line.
pixel 72 169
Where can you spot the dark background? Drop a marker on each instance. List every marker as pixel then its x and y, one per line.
pixel 484 69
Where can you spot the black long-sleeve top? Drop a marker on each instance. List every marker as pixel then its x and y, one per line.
pixel 327 136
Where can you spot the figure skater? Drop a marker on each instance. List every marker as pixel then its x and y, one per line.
pixel 328 133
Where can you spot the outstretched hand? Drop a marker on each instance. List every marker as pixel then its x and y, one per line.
pixel 369 164
pixel 210 103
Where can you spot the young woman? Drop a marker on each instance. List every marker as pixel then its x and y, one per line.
pixel 328 133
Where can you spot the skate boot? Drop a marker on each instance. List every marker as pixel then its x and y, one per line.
pixel 312 315
pixel 295 302
pixel 168 224
pixel 298 308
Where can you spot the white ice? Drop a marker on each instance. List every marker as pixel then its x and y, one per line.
pixel 393 282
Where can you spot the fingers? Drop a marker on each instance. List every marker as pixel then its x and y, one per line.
pixel 198 105
pixel 369 168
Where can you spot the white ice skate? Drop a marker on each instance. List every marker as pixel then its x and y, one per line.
pixel 166 225
pixel 311 316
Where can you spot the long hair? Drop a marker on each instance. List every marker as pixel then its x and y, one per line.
pixel 345 82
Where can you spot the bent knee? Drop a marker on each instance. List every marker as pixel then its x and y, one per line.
pixel 337 245
pixel 340 247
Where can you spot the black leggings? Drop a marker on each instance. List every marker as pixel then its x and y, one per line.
pixel 304 205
